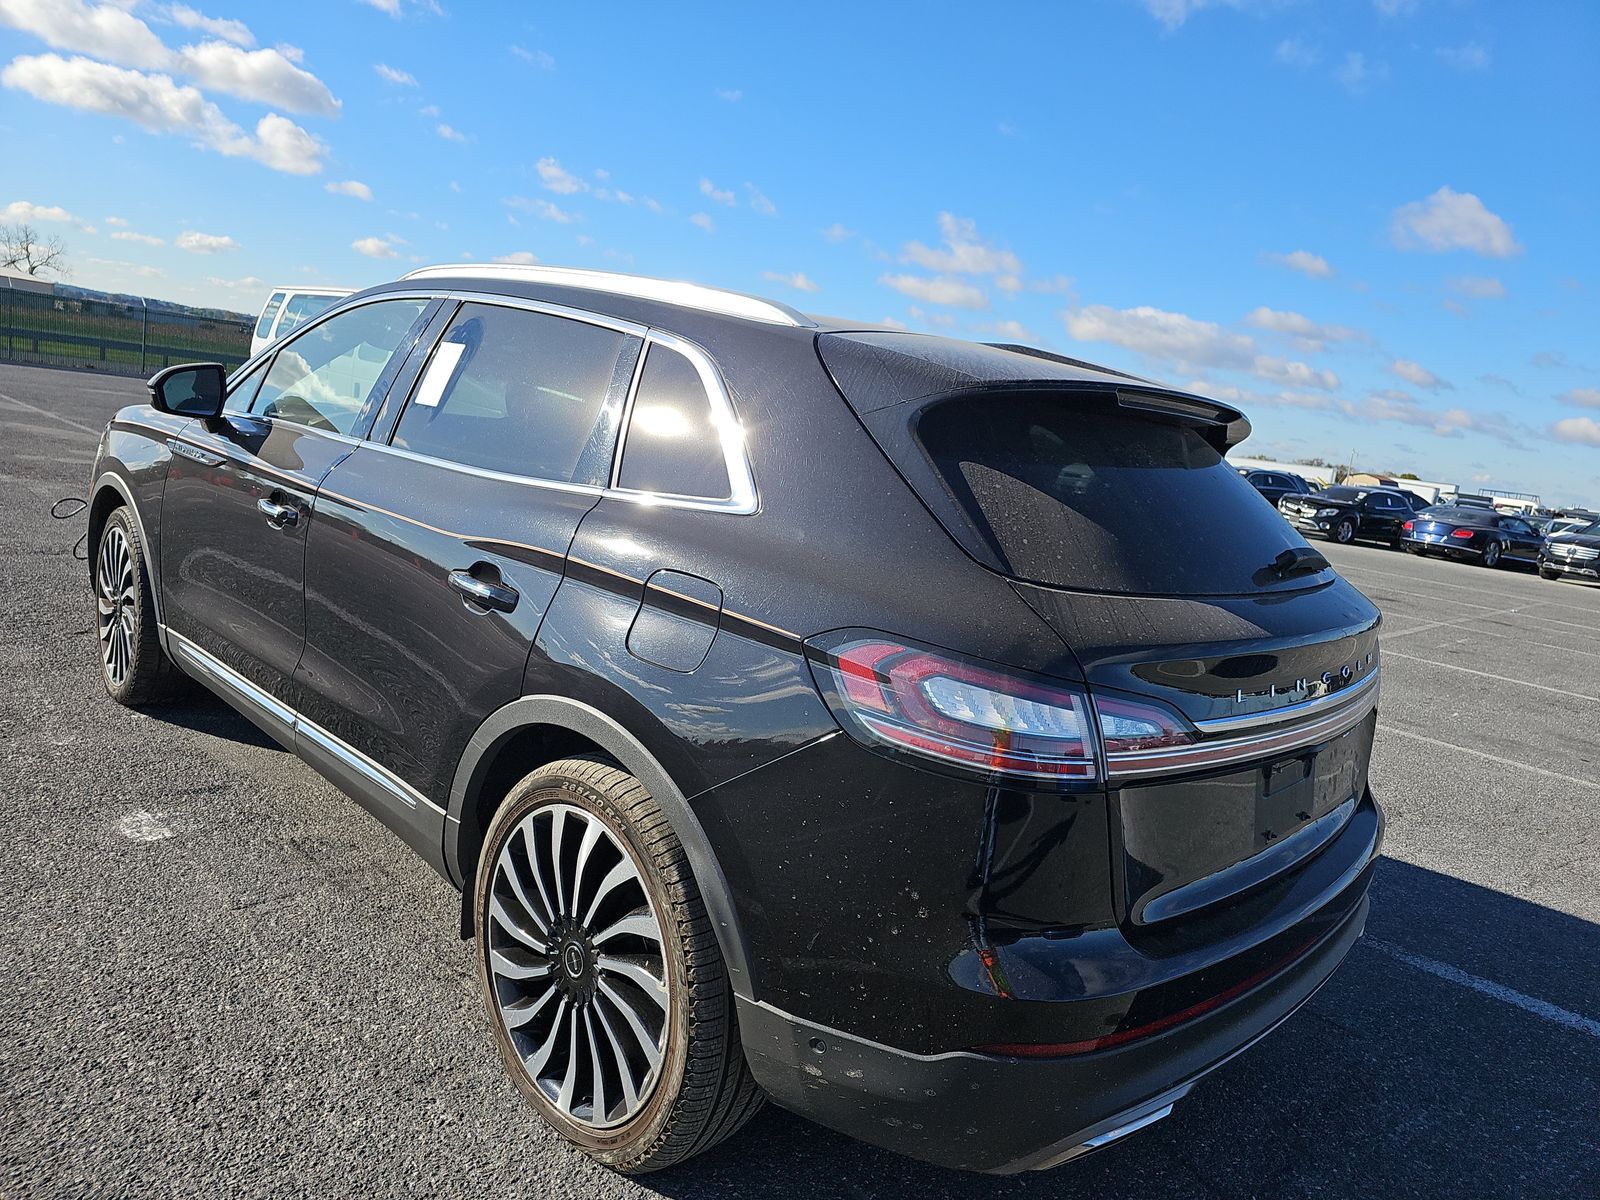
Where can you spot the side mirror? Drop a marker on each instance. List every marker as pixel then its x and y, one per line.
pixel 189 390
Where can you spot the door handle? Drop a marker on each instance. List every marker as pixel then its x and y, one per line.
pixel 499 596
pixel 279 516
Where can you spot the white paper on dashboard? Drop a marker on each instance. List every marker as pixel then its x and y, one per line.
pixel 440 371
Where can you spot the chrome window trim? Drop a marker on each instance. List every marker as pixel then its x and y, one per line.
pixel 640 287
pixel 1290 712
pixel 587 489
pixel 552 310
pixel 1204 756
pixel 743 499
pixel 377 298
pixel 293 721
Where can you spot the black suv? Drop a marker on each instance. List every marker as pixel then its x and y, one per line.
pixel 1275 485
pixel 940 739
pixel 1347 514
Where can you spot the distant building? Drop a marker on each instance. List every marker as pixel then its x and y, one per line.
pixel 1322 475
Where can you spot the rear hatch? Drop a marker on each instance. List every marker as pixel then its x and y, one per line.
pixel 1108 504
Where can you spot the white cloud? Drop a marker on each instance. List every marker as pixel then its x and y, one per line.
pixel 730 95
pixel 204 243
pixel 1163 336
pixel 127 235
pixel 1293 374
pixel 374 247
pixel 1470 57
pixel 351 187
pixel 1581 397
pixel 799 280
pixel 1446 422
pixel 704 221
pixel 558 179
pixel 719 195
pixel 1478 287
pixel 963 252
pixel 226 28
pixel 450 133
pixel 837 233
pixel 1417 374
pixel 519 258
pixel 104 30
pixel 395 75
pixel 1311 336
pixel 1173 13
pixel 1582 430
pixel 23 210
pixel 1294 52
pixel 1312 266
pixel 538 58
pixel 952 292
pixel 1357 73
pixel 388 7
pixel 759 201
pixel 266 76
pixel 117 222
pixel 542 208
pixel 1452 220
pixel 1007 331
pixel 156 103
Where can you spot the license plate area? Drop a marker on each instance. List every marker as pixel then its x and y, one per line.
pixel 1188 844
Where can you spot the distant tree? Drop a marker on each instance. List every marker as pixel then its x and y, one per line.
pixel 1407 475
pixel 23 249
pixel 1311 462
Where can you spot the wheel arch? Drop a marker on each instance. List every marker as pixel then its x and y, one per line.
pixel 111 492
pixel 539 729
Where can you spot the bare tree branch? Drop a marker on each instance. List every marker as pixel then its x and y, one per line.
pixel 22 248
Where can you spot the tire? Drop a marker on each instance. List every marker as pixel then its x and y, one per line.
pixel 1344 532
pixel 133 667
pixel 558 1001
pixel 1547 573
pixel 1491 554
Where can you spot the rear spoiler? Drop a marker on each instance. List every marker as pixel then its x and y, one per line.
pixel 1220 424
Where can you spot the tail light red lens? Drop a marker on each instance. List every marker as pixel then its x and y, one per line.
pixel 974 716
pixel 1463 534
pixel 1407 525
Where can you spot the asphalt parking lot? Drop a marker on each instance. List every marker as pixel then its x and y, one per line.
pixel 223 978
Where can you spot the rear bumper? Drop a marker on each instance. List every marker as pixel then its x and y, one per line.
pixel 1001 1115
pixel 1430 542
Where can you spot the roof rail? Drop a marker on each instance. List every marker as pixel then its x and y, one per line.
pixel 671 291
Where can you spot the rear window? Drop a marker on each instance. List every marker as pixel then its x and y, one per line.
pixel 264 325
pixel 1074 493
pixel 301 308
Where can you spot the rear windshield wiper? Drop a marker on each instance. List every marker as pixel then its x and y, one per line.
pixel 1297 560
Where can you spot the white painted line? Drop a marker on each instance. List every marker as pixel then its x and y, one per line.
pixel 1490 675
pixel 1459 587
pixel 1490 611
pixel 1463 623
pixel 1532 1004
pixel 141 826
pixel 45 412
pixel 1484 754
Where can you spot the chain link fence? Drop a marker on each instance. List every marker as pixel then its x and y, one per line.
pixel 113 336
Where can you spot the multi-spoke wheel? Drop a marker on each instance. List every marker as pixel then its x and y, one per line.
pixel 132 663
pixel 601 974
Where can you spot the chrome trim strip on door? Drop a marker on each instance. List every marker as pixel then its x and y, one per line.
pixel 273 708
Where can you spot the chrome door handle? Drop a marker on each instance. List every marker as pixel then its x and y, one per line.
pixel 499 596
pixel 280 516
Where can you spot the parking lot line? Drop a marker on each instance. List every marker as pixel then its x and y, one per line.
pixel 1465 624
pixel 1490 675
pixel 1484 754
pixel 1490 611
pixel 1459 587
pixel 1532 1004
pixel 45 412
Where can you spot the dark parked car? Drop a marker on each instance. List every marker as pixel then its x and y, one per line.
pixel 1477 534
pixel 940 739
pixel 1275 485
pixel 1573 555
pixel 1347 514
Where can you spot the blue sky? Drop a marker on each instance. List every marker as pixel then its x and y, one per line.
pixel 1371 223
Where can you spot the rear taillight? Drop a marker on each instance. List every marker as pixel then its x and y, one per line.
pixel 1461 533
pixel 978 717
pixel 1407 525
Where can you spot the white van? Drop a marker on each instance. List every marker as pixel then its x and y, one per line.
pixel 290 307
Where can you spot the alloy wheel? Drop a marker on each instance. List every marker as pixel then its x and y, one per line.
pixel 1344 532
pixel 577 966
pixel 116 594
pixel 1491 554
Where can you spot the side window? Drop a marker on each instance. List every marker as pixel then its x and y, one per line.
pixel 301 308
pixel 264 325
pixel 671 446
pixel 241 393
pixel 323 378
pixel 523 393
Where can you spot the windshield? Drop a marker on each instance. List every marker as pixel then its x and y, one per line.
pixel 1071 494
